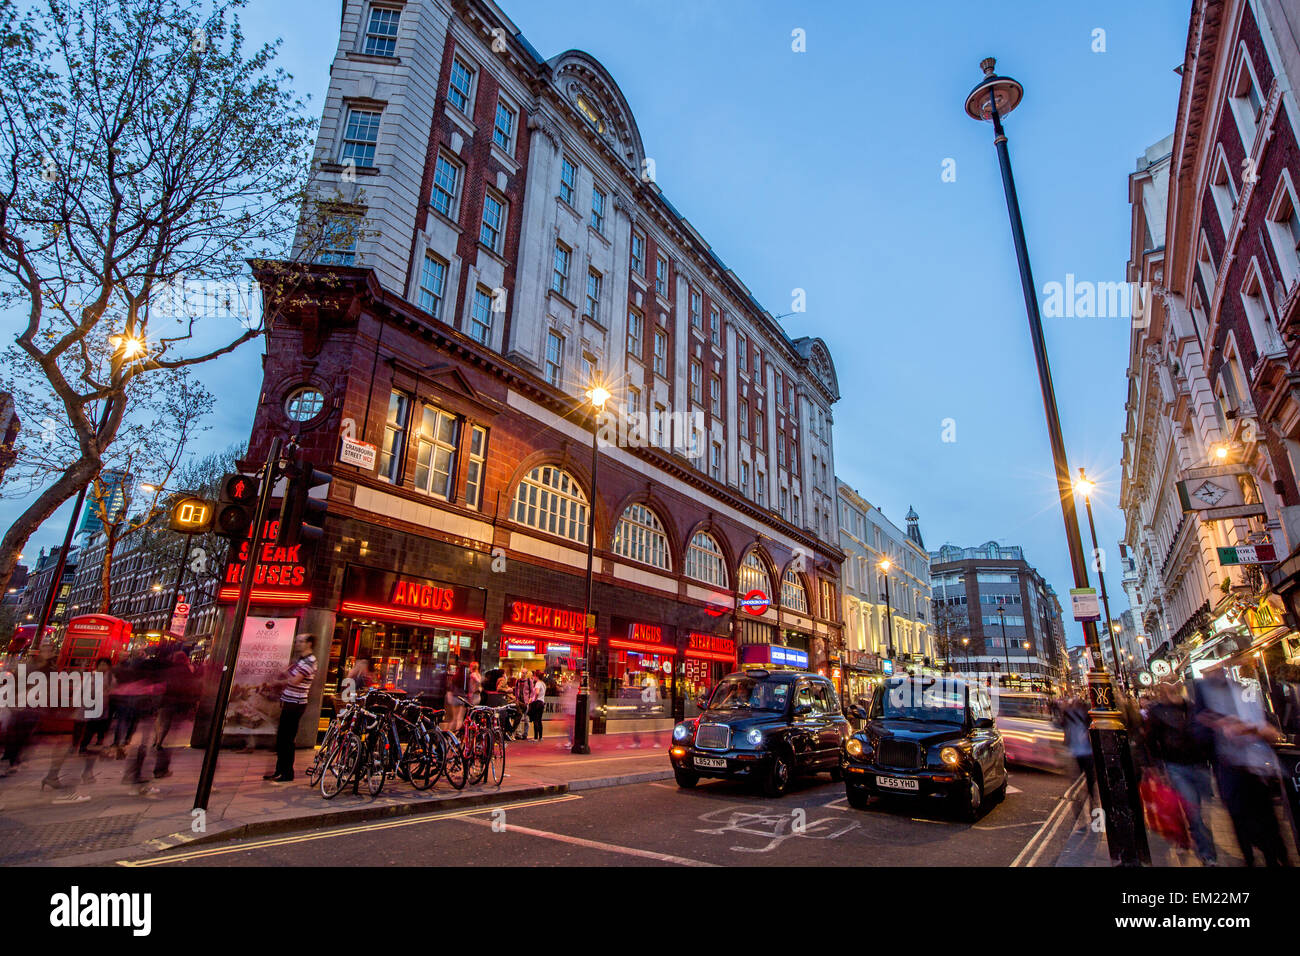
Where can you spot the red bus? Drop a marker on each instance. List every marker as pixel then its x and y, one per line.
pixel 23 636
pixel 90 637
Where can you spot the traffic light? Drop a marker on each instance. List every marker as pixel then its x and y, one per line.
pixel 301 516
pixel 235 509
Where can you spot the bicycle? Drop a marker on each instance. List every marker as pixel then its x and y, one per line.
pixel 484 742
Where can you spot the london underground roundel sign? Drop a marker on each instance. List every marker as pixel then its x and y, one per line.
pixel 755 602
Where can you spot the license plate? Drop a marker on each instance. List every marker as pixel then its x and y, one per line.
pixel 716 763
pixel 898 783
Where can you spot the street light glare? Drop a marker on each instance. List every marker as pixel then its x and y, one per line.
pixel 599 395
pixel 885 564
pixel 1084 487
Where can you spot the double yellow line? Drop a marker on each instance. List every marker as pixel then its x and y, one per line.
pixel 211 851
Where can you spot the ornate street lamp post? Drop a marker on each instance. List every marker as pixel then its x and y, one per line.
pixel 990 100
pixel 598 396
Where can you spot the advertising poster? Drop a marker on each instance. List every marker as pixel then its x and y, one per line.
pixel 264 651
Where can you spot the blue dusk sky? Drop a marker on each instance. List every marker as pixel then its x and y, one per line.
pixel 822 170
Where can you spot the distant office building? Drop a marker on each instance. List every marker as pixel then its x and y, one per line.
pixel 995 615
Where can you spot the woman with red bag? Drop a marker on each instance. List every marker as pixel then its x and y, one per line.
pixel 1183 748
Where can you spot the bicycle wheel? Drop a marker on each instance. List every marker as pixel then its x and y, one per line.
pixel 340 765
pixel 322 753
pixel 434 761
pixel 497 757
pixel 378 761
pixel 481 755
pixel 415 760
pixel 453 763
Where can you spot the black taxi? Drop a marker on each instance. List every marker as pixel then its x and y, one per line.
pixel 927 737
pixel 762 725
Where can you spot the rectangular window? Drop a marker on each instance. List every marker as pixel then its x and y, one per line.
pixel 460 90
pixel 758 429
pixel 696 316
pixel 779 389
pixel 796 510
pixel 785 503
pixel 474 471
pixel 433 281
pixel 435 455
pixel 633 400
pixel 503 127
pixel 568 179
pixel 638 253
pixel 760 481
pixel 360 136
pixel 715 462
pixel 390 456
pixel 381 32
pixel 742 352
pixel 598 210
pixel 715 326
pixel 446 184
pixel 743 411
pixel 554 357
pixel 560 269
pixel 661 276
pixel 480 316
pixel 780 450
pixel 715 396
pixel 494 218
pixel 744 478
pixel 339 241
pixel 661 353
pixel 594 282
pixel 657 425
pixel 697 382
pixel 589 375
pixel 635 346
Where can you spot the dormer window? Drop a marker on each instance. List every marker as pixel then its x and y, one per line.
pixel 589 112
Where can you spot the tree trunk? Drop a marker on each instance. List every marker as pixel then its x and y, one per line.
pixel 106 576
pixel 69 483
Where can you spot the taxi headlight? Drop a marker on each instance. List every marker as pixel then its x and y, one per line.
pixel 681 731
pixel 854 747
pixel 755 737
pixel 950 755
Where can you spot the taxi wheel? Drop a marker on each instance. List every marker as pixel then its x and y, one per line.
pixel 1000 793
pixel 686 779
pixel 778 778
pixel 858 797
pixel 968 804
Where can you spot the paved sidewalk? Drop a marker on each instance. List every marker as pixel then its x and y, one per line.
pixel 114 821
pixel 1088 848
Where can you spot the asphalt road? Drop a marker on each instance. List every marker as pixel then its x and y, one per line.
pixel 720 823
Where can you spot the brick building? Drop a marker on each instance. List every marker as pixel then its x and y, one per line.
pixel 513 252
pixel 1213 438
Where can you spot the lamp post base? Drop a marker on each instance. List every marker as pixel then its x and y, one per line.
pixel 580 745
pixel 1126 835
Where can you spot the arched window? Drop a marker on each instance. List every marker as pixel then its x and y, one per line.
pixel 793 595
pixel 704 560
pixel 753 576
pixel 640 536
pixel 549 499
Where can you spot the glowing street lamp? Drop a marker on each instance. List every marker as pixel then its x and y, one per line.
pixel 885 564
pixel 598 395
pixel 992 98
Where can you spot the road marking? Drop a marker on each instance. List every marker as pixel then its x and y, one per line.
pixel 592 844
pixel 840 804
pixel 204 852
pixel 1043 836
pixel 1008 826
pixel 1011 790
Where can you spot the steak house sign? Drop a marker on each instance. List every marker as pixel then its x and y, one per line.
pixel 279 576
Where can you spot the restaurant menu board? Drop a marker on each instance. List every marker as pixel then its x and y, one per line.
pixel 265 650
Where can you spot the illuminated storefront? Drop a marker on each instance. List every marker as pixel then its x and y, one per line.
pixel 416 632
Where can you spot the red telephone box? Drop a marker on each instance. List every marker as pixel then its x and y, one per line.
pixel 90 637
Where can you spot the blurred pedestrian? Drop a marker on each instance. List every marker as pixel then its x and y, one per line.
pixel 297 681
pixel 1183 747
pixel 1246 765
pixel 20 723
pixel 1074 720
pixel 143 696
pixel 179 697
